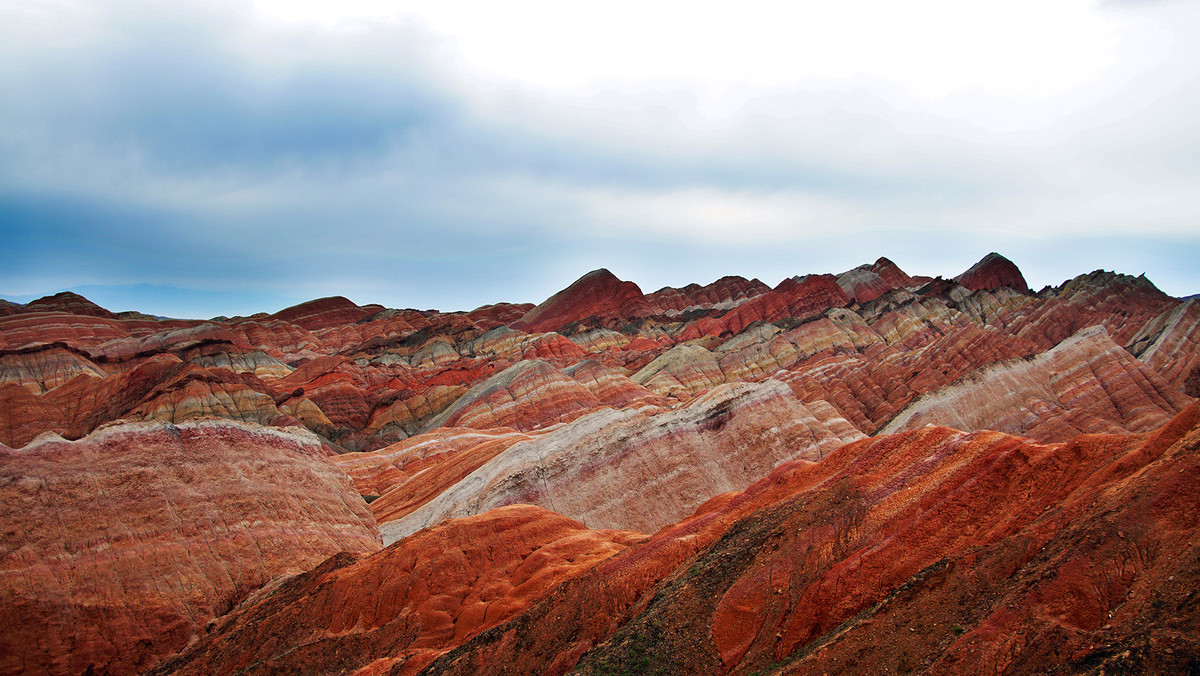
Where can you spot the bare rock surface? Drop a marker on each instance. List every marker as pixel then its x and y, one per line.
pixel 1086 384
pixel 119 548
pixel 720 442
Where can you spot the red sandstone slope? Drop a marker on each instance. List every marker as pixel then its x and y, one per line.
pixel 117 549
pixel 933 551
pixel 402 607
pixel 992 272
pixel 597 294
pixel 1086 384
pixel 626 420
pixel 67 301
pixel 364 377
pixel 634 469
pixel 1170 344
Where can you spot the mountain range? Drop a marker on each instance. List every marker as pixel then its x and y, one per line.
pixel 865 472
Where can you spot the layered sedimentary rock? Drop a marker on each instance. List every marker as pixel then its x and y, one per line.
pixel 993 271
pixel 1086 384
pixel 625 410
pixel 404 476
pixel 41 328
pixel 117 549
pixel 528 395
pixel 67 301
pixel 363 377
pixel 612 387
pixel 324 313
pixel 722 294
pixel 722 441
pixel 1170 345
pixel 863 284
pixel 681 371
pixel 790 299
pixel 936 551
pixel 159 388
pixel 455 581
pixel 892 274
pixel 1122 304
pixel 42 368
pixel 597 294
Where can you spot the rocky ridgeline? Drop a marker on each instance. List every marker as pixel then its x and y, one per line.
pixel 837 473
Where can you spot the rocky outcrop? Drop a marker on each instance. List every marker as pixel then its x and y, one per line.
pixel 1085 385
pixel 620 410
pixel 681 371
pixel 722 294
pixel 719 442
pixel 42 368
pixel 1122 304
pixel 528 395
pixel 119 548
pixel 404 476
pixel 358 613
pixel 1170 344
pixel 892 274
pixel 992 272
pixel 44 328
pixel 863 284
pixel 933 551
pixel 597 294
pixel 612 387
pixel 67 301
pixel 160 388
pixel 799 299
pixel 325 313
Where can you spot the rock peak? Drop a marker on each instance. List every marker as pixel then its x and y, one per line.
pixel 599 273
pixel 992 272
pixel 599 293
pixel 68 301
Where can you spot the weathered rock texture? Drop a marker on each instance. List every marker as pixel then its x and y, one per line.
pixel 1171 345
pixel 993 272
pixel 935 551
pixel 628 470
pixel 117 549
pixel 1086 384
pixel 613 407
pixel 402 607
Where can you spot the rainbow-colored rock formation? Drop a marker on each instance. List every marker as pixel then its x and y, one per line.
pixel 843 473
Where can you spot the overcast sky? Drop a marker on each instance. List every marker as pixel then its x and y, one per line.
pixel 199 158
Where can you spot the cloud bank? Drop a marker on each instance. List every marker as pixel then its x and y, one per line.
pixel 202 158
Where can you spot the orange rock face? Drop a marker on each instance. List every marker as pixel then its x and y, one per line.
pixel 118 548
pixel 932 551
pixel 457 580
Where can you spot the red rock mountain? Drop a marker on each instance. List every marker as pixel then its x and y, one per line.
pixel 120 547
pixel 854 473
pixel 597 294
pixel 991 273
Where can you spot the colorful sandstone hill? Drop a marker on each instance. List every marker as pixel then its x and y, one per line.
pixel 865 472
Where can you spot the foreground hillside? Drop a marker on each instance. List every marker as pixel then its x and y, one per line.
pixel 842 473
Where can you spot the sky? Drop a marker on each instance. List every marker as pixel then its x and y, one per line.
pixel 201 158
